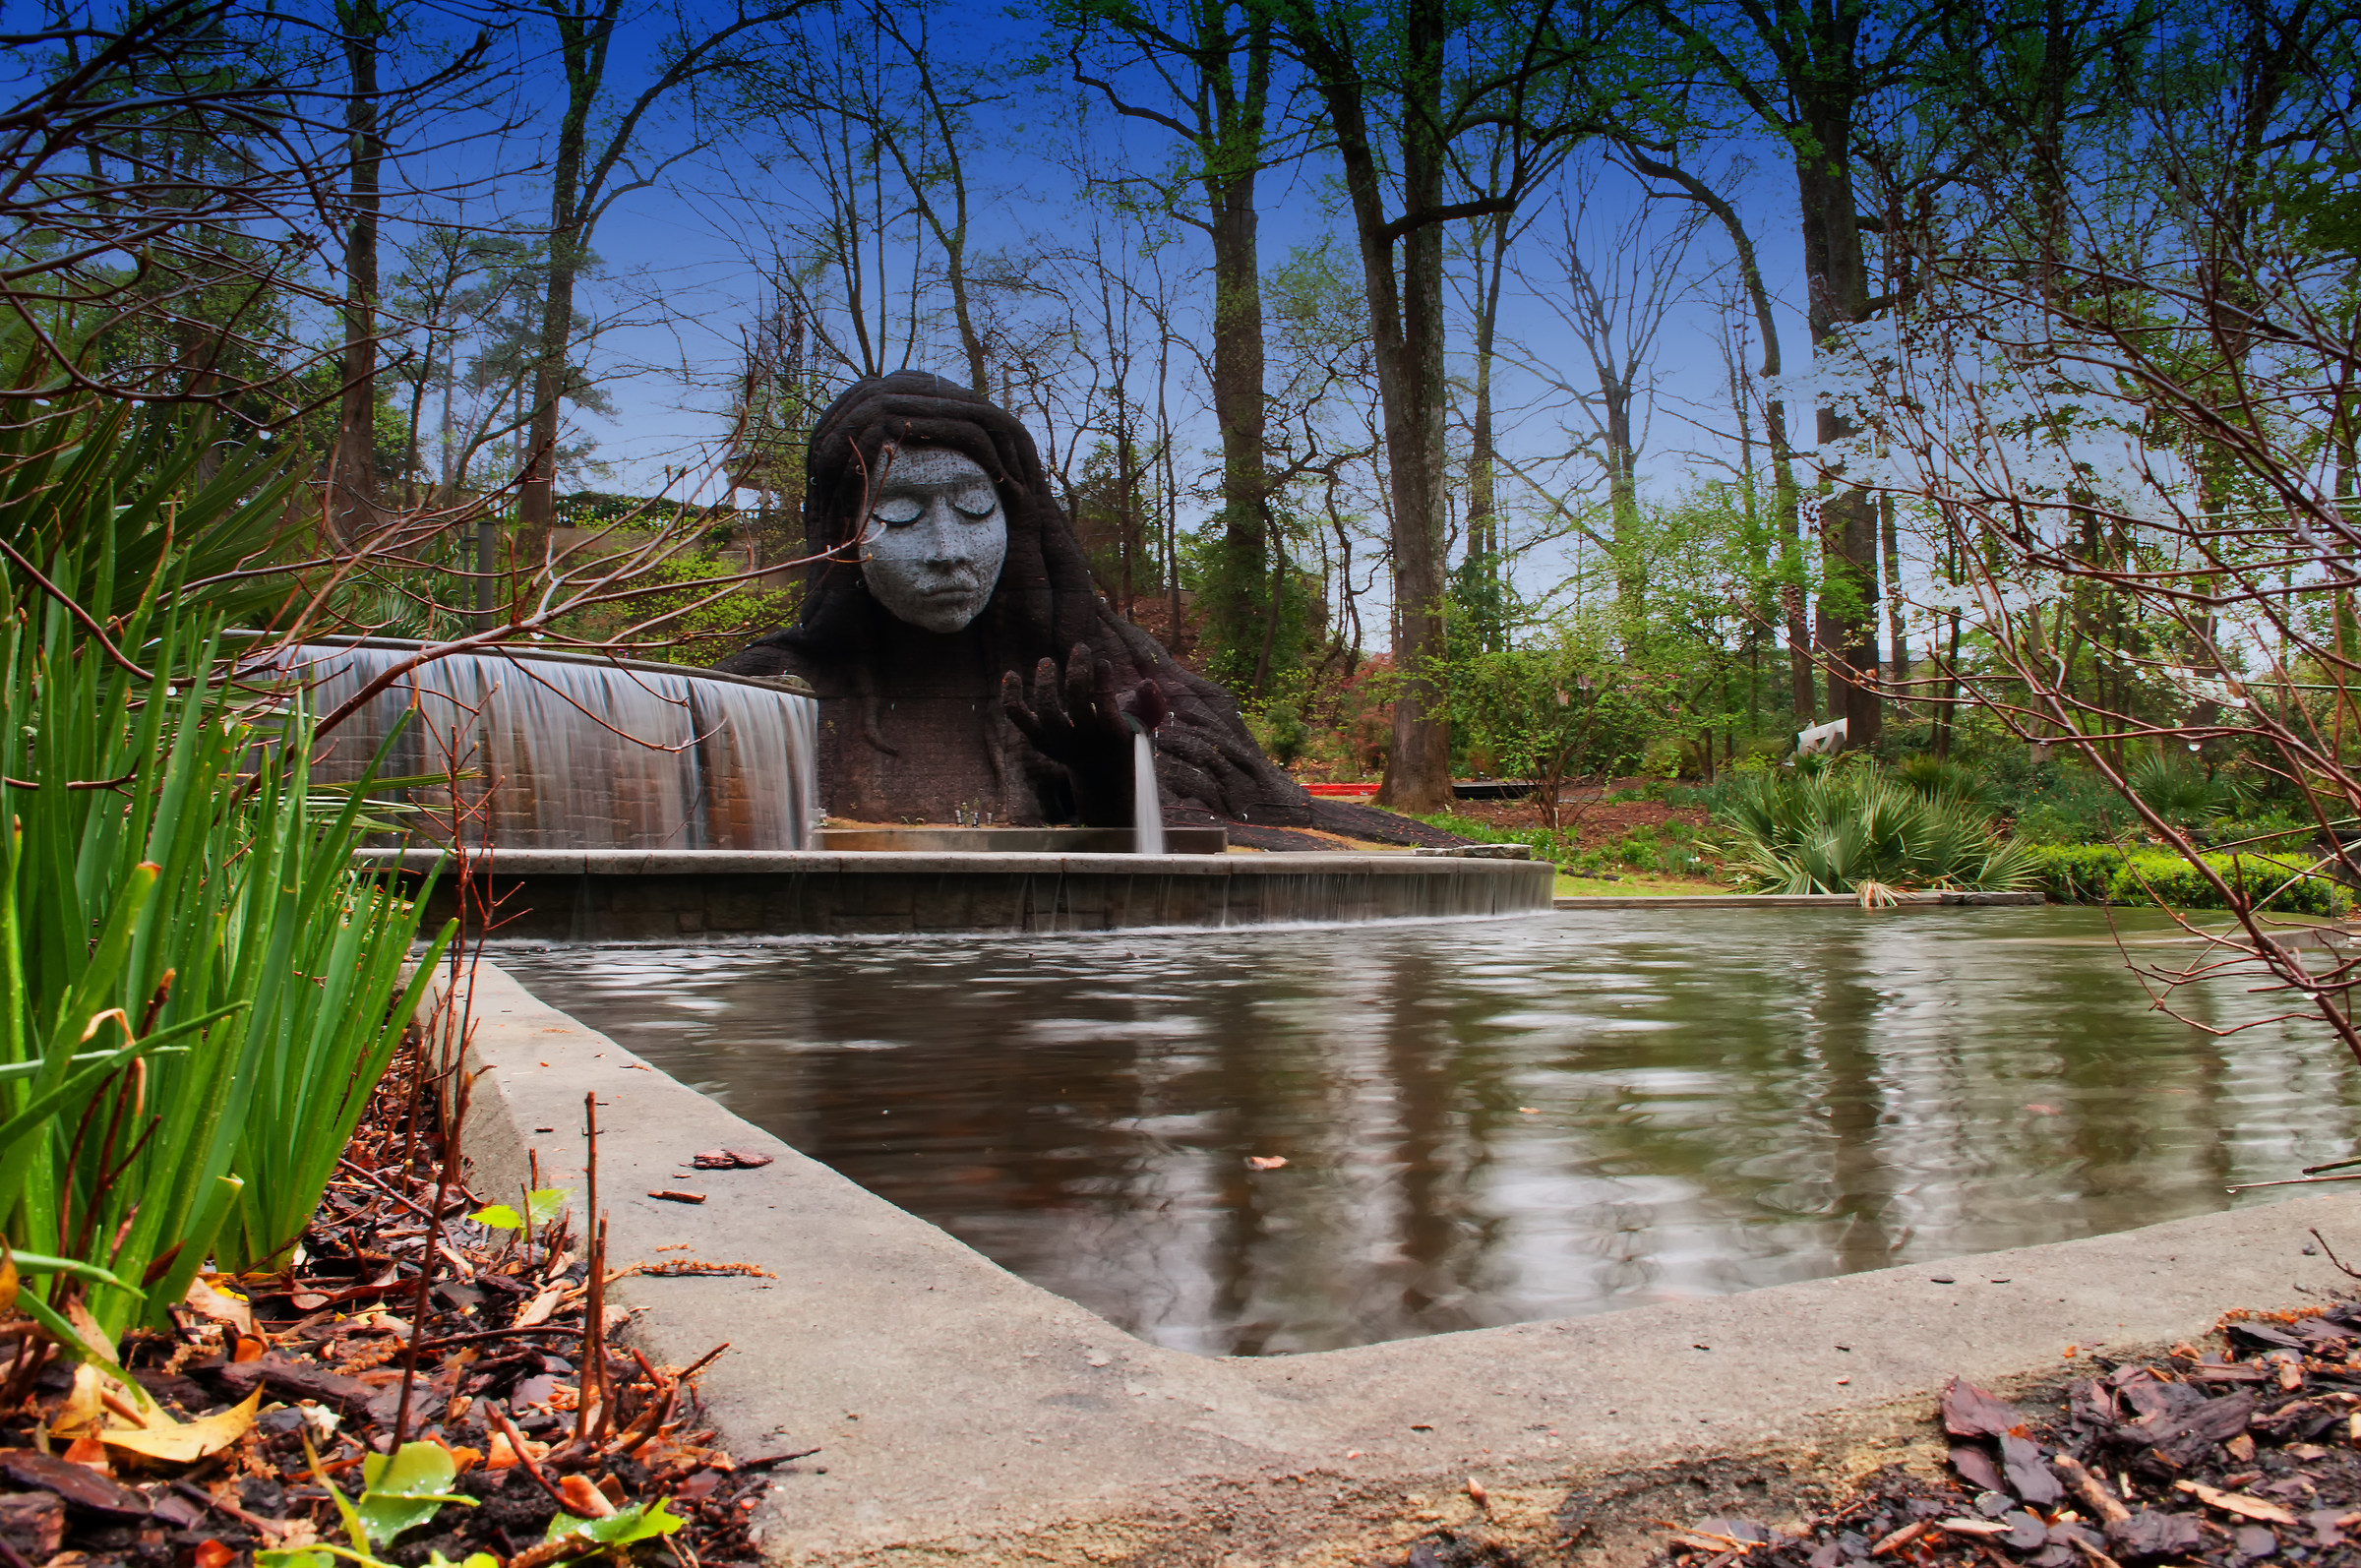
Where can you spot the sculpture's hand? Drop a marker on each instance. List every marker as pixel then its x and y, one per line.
pixel 1073 717
pixel 1077 718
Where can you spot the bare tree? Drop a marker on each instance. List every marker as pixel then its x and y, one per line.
pixel 1613 284
pixel 591 172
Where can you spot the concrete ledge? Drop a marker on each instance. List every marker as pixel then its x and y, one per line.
pixel 1785 900
pixel 964 1415
pixel 635 895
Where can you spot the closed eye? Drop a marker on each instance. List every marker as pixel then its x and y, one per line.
pixel 978 503
pixel 898 509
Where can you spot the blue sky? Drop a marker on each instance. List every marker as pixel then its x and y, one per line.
pixel 681 281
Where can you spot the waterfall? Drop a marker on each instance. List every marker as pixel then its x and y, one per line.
pixel 576 754
pixel 1147 811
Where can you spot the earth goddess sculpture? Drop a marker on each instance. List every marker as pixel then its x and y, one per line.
pixel 965 661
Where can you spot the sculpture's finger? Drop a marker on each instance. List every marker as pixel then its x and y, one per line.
pixel 1046 706
pixel 1013 702
pixel 1148 706
pixel 1078 683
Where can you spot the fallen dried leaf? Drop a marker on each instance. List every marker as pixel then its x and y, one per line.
pixel 1900 1538
pixel 584 1499
pixel 730 1160
pixel 2236 1503
pixel 1265 1161
pixel 171 1442
pixel 1983 1528
pixel 1970 1412
pixel 219 1306
pixel 676 1195
pixel 537 1310
pixel 502 1457
pixel 211 1553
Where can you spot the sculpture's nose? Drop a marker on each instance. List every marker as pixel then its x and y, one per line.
pixel 945 545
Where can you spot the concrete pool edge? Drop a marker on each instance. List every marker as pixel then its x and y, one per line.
pixel 965 1414
pixel 645 895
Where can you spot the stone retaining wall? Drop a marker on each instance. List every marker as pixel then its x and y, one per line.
pixel 558 896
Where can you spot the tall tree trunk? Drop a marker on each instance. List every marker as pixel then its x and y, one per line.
pixel 1838 281
pixel 1898 645
pixel 583 39
pixel 1483 521
pixel 1244 593
pixel 352 509
pixel 1406 319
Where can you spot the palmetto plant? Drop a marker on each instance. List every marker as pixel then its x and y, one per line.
pixel 197 991
pixel 1819 829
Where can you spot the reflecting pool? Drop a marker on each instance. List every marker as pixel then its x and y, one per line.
pixel 1487 1122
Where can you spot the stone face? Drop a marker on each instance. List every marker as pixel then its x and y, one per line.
pixel 936 541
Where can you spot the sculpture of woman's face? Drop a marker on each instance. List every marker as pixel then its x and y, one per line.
pixel 934 540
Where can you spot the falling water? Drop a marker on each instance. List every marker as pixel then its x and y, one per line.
pixel 578 755
pixel 1147 811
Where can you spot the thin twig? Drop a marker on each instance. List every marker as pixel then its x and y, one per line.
pixel 516 1446
pixel 2333 1257
pixel 426 1261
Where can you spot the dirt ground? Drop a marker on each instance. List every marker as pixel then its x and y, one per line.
pixel 1591 821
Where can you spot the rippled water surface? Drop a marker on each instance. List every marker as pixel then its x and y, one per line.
pixel 1483 1122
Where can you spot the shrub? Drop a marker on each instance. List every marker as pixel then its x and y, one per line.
pixel 2271 882
pixel 2106 874
pixel 2077 873
pixel 1818 829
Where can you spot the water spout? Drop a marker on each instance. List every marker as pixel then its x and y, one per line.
pixel 1147 811
pixel 564 754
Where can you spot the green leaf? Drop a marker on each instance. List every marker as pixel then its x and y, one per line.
pixel 405 1489
pixel 542 1205
pixel 294 1557
pixel 639 1521
pixel 474 1559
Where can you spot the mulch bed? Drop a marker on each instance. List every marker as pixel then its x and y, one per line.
pixel 1590 824
pixel 344 1352
pixel 2246 1452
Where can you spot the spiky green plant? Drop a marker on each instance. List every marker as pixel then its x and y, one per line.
pixel 1831 830
pixel 171 890
pixel 2182 793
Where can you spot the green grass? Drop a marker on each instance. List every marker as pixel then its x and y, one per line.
pixel 1634 887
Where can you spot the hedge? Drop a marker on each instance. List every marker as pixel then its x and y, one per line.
pixel 2104 873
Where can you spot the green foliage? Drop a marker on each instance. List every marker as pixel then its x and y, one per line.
pixel 1560 705
pixel 1935 779
pixel 2184 795
pixel 694 626
pixel 626 1526
pixel 541 1205
pixel 400 1491
pixel 1281 731
pixel 404 1489
pixel 2078 873
pixel 1667 849
pixel 170 881
pixel 1830 829
pixel 2108 873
